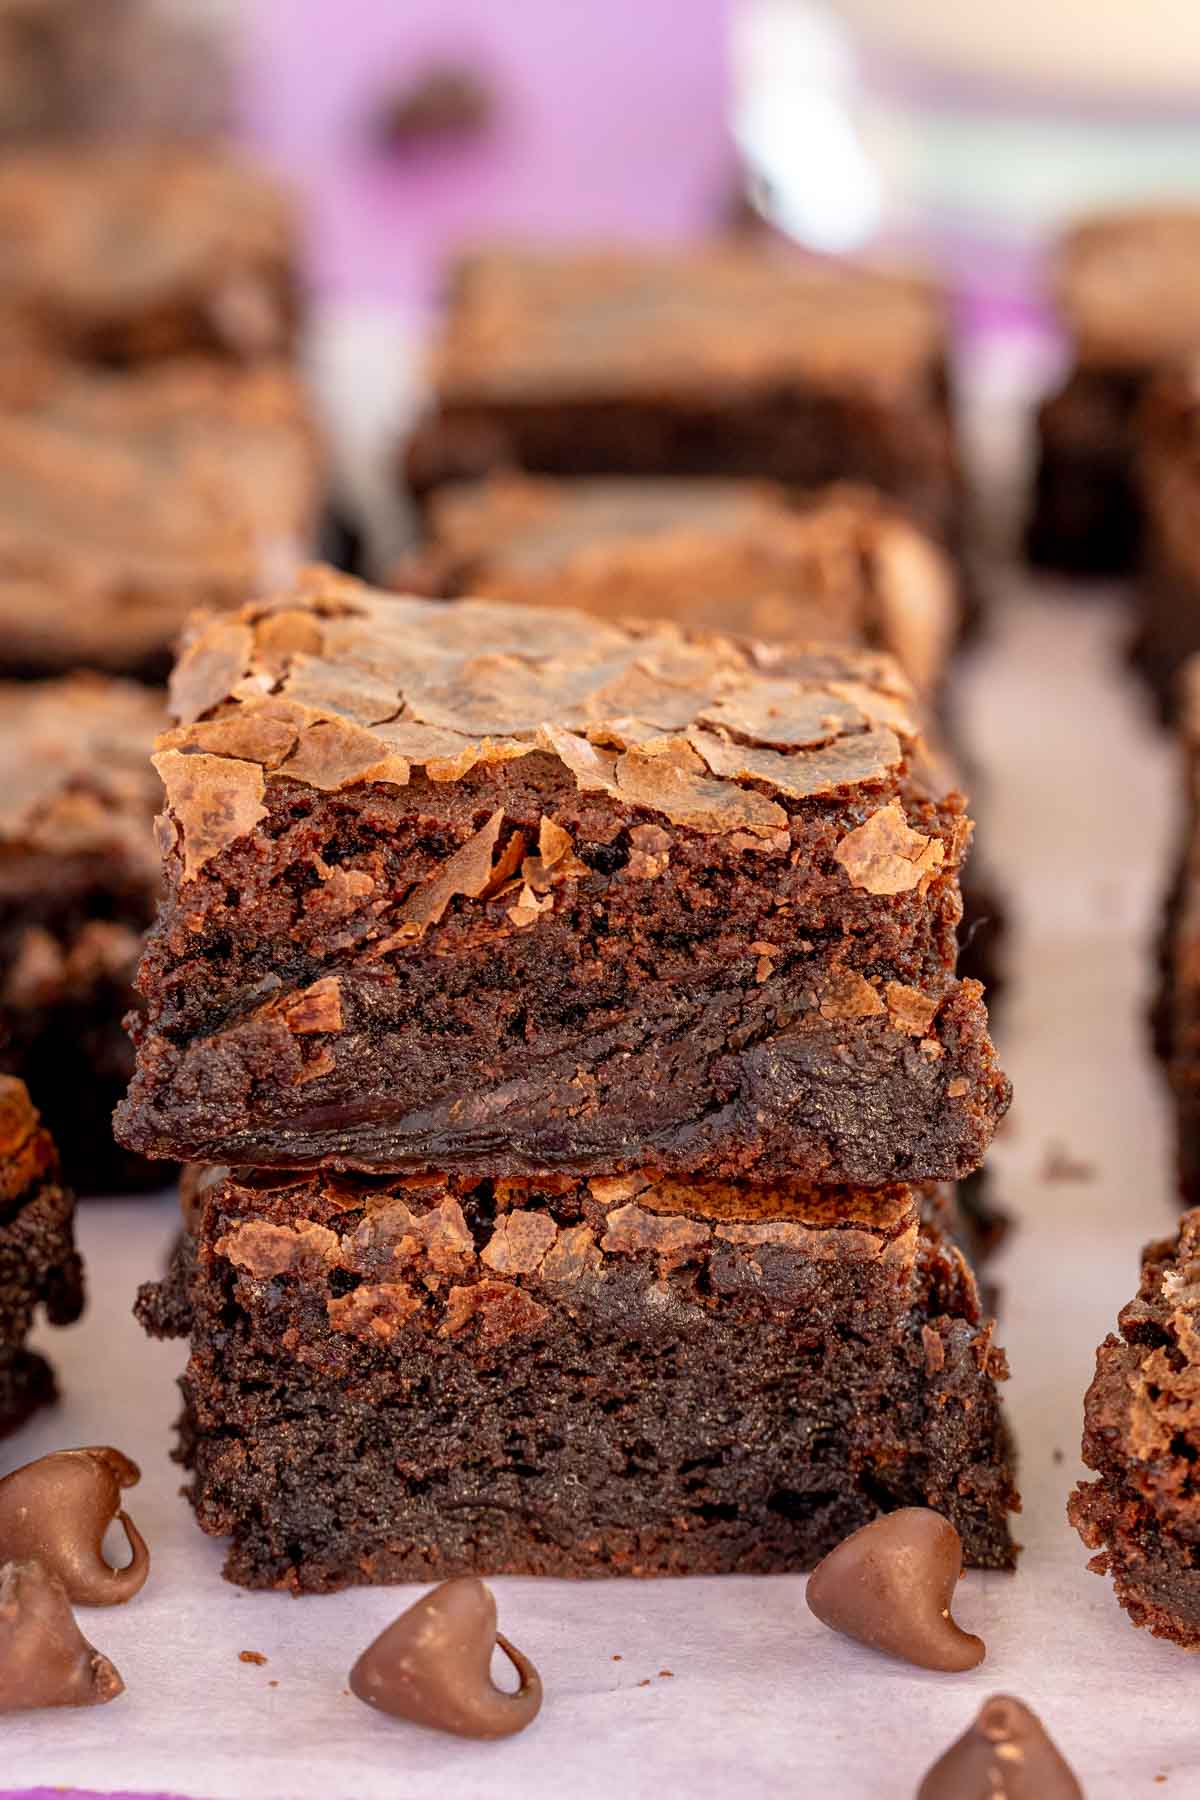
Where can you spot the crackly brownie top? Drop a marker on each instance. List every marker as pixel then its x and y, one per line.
pixel 1144 1403
pixel 581 324
pixel 1126 286
pixel 112 232
pixel 843 568
pixel 336 684
pixel 128 498
pixel 75 774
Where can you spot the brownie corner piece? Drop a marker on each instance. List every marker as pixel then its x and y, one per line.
pixel 1141 1438
pixel 40 1269
pixel 422 1376
pixel 504 889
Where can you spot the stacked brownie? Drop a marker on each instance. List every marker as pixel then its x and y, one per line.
pixel 575 1005
pixel 1168 468
pixel 1178 1008
pixel 39 1269
pixel 1126 294
pixel 718 362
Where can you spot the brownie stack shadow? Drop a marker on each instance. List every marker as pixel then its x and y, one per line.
pixel 561 1022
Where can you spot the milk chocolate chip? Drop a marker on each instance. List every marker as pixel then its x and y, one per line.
pixel 44 1658
pixel 890 1586
pixel 58 1509
pixel 1006 1755
pixel 433 1667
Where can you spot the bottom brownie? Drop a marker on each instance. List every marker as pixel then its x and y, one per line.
pixel 431 1376
pixel 1142 1437
pixel 39 1267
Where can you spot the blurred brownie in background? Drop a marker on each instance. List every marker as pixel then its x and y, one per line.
pixel 39 1267
pixel 76 69
pixel 1168 458
pixel 80 884
pixel 1127 293
pixel 129 253
pixel 724 361
pixel 129 499
pixel 731 556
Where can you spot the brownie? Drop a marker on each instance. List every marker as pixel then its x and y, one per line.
pixel 1126 294
pixel 500 889
pixel 848 568
pixel 723 361
pixel 40 1271
pixel 1142 1438
pixel 432 1375
pixel 1176 1017
pixel 129 499
pixel 126 254
pixel 79 885
pixel 75 69
pixel 1168 468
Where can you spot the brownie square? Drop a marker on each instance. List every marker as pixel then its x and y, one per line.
pixel 847 568
pixel 80 884
pixel 722 361
pixel 1127 295
pixel 426 1376
pixel 128 500
pixel 39 1267
pixel 1168 468
pixel 126 254
pixel 498 888
pixel 1142 1438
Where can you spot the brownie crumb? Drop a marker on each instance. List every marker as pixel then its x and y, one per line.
pixel 252 1656
pixel 1059 1165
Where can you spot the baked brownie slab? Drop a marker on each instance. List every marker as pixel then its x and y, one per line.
pixel 132 253
pixel 1127 295
pixel 724 361
pixel 501 889
pixel 1142 1438
pixel 1177 1013
pixel 39 1268
pixel 128 500
pixel 79 879
pixel 428 1376
pixel 848 568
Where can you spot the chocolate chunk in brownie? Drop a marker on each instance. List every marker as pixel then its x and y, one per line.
pixel 1142 1438
pixel 722 361
pixel 127 500
pixel 1127 295
pixel 847 568
pixel 77 803
pixel 39 1268
pixel 506 888
pixel 127 254
pixel 413 1378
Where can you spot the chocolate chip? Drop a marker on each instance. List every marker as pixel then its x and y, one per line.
pixel 58 1509
pixel 44 1658
pixel 433 1667
pixel 890 1586
pixel 1005 1755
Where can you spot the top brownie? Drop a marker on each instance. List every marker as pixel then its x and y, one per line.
pixel 129 254
pixel 847 568
pixel 499 889
pixel 129 499
pixel 715 362
pixel 1126 287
